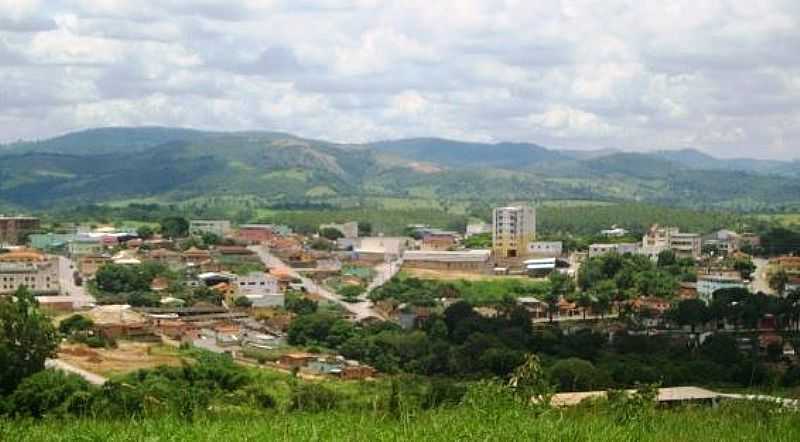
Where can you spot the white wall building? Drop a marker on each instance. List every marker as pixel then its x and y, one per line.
pixel 596 250
pixel 216 227
pixel 708 284
pixel 546 248
pixel 256 283
pixel 37 272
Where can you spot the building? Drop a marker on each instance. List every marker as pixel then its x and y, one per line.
pixel 88 265
pixel 29 268
pixel 169 258
pixel 550 249
pixel 710 283
pixel 438 241
pixel 85 245
pixel 614 232
pixel 50 241
pixel 349 229
pixel 15 229
pixel 215 227
pixel 256 283
pixel 724 241
pixel 256 233
pixel 265 300
pixel 379 248
pixel 540 267
pixel 196 257
pixel 596 250
pixel 478 229
pixel 685 245
pixel 472 261
pixel 513 228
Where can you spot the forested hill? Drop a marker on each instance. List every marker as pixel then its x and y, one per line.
pixel 173 164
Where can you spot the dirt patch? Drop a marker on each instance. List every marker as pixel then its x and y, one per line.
pixel 127 357
pixel 449 275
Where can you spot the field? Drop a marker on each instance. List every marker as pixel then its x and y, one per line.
pixel 127 357
pixel 450 275
pixel 483 421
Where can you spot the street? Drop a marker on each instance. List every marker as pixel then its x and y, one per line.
pixel 91 378
pixel 80 297
pixel 360 310
pixel 760 277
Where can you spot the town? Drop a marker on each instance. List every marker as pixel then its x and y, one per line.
pixel 125 295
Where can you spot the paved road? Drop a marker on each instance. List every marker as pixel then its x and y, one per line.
pixel 760 279
pixel 384 273
pixel 360 310
pixel 69 368
pixel 80 297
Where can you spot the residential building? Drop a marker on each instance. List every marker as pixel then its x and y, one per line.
pixel 256 233
pixel 29 268
pixel 50 241
pixel 658 239
pixel 596 250
pixel 166 257
pixel 546 248
pixel 540 267
pixel 231 255
pixel 473 261
pixel 194 256
pixel 15 229
pixel 382 247
pixel 348 229
pixel 513 228
pixel 478 229
pixel 265 300
pixel 438 241
pixel 88 265
pixel 256 283
pixel 85 245
pixel 615 232
pixel 724 241
pixel 710 283
pixel 216 227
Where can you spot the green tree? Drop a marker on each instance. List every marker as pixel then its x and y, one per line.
pixel 778 279
pixel 145 232
pixel 561 286
pixel 27 339
pixel 243 302
pixel 691 312
pixel 574 374
pixel 331 234
pixel 174 227
pixel 46 392
pixel 75 323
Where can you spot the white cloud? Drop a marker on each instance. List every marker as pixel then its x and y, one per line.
pixel 721 75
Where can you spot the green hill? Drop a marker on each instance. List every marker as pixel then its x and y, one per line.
pixel 168 165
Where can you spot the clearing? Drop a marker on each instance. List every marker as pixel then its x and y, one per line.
pixel 127 357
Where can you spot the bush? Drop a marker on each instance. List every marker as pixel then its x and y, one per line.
pixel 443 392
pixel 47 392
pixel 75 323
pixel 313 398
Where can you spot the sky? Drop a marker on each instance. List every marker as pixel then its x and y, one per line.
pixel 722 76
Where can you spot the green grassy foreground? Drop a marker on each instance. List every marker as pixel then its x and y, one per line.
pixel 730 422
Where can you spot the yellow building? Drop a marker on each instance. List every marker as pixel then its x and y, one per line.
pixel 513 228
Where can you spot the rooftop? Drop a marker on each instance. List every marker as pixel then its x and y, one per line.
pixel 672 394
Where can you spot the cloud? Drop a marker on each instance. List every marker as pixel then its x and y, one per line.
pixel 720 75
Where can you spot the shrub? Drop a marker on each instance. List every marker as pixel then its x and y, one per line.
pixel 313 398
pixel 47 392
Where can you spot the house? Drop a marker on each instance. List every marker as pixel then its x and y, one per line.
pixel 709 283
pixel 255 233
pixel 56 304
pixel 724 241
pixel 614 232
pixel 30 268
pixel 15 229
pixel 296 360
pixel 380 248
pixel 478 229
pixel 256 283
pixel 513 228
pixel 652 304
pixel 159 284
pixel 266 300
pixel 596 250
pixel 537 308
pixel 126 257
pixel 86 245
pixel 349 229
pixel 352 370
pixel 472 261
pixel 196 257
pixel 88 265
pixel 228 255
pixel 166 257
pixel 550 249
pixel 219 228
pixel 540 267
pixel 438 241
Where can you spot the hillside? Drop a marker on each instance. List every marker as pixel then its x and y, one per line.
pixel 168 164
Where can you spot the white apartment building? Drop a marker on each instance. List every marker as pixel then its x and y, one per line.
pixel 256 283
pixel 549 249
pixel 513 228
pixel 216 227
pixel 477 229
pixel 685 245
pixel 596 250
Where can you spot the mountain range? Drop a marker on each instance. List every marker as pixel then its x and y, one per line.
pixel 173 164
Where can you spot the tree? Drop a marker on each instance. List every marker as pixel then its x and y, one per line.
pixel 48 391
pixel 75 323
pixel 691 312
pixel 666 258
pixel 364 228
pixel 331 234
pixel 27 339
pixel 350 293
pixel 145 232
pixel 561 286
pixel 297 303
pixel 243 302
pixel 778 280
pixel 174 227
pixel 574 374
pixel 744 266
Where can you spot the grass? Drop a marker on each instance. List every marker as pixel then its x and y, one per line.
pixel 463 423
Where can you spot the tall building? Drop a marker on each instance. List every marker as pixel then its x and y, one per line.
pixel 13 230
pixel 658 239
pixel 513 228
